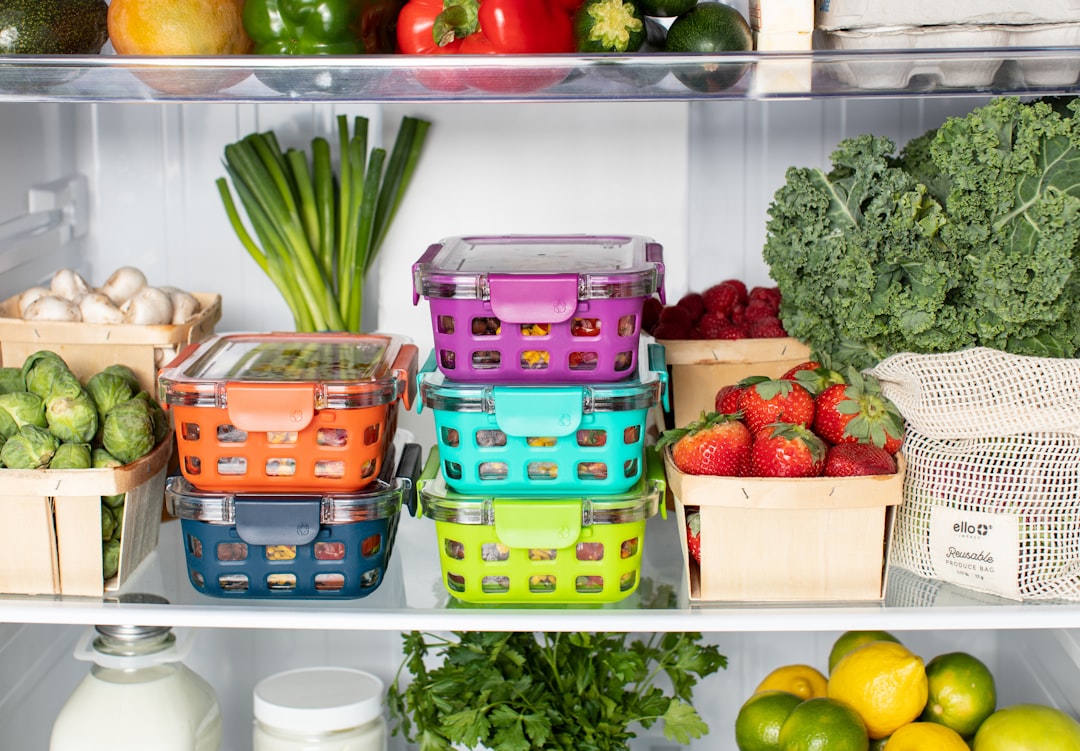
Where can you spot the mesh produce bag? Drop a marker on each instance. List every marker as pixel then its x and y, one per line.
pixel 992 486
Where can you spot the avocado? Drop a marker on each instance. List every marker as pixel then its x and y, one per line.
pixel 707 29
pixel 53 27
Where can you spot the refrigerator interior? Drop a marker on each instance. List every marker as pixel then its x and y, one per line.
pixel 697 177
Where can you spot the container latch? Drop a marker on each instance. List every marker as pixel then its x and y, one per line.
pixel 277 522
pixel 524 411
pixel 264 407
pixel 537 523
pixel 533 298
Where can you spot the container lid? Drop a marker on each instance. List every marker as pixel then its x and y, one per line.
pixel 263 379
pixel 535 270
pixel 318 700
pixel 548 403
pixel 440 503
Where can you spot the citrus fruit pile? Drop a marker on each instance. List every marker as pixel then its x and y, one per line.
pixel 879 695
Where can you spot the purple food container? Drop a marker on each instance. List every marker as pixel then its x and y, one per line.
pixel 538 308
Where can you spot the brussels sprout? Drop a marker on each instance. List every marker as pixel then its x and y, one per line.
pixel 107 390
pixel 71 456
pixel 127 374
pixel 46 373
pixel 31 448
pixel 161 420
pixel 118 514
pixel 11 379
pixel 8 426
pixel 102 459
pixel 110 558
pixel 22 408
pixel 73 419
pixel 128 432
pixel 108 523
pixel 114 501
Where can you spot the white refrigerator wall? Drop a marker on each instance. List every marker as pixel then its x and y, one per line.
pixel 696 177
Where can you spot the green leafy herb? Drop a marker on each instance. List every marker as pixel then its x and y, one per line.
pixel 970 236
pixel 317 234
pixel 514 691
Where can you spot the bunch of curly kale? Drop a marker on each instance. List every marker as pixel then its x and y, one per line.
pixel 971 236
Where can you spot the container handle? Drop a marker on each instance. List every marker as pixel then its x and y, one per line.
pixel 533 298
pixel 538 523
pixel 284 521
pixel 657 476
pixel 654 253
pixel 428 473
pixel 404 368
pixel 428 367
pixel 529 411
pixel 265 407
pixel 424 260
pixel 658 365
pixel 408 472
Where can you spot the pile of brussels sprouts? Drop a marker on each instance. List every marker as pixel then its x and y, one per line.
pixel 49 419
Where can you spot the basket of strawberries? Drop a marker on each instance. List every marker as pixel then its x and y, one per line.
pixel 786 489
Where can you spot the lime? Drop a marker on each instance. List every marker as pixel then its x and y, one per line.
pixel 849 640
pixel 960 692
pixel 922 736
pixel 823 724
pixel 804 681
pixel 757 726
pixel 884 682
pixel 1028 727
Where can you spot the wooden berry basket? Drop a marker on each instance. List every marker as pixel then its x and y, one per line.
pixel 698 368
pixel 51 534
pixel 774 540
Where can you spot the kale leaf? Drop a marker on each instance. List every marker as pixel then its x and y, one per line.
pixel 968 237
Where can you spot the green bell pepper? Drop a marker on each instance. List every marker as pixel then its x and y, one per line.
pixel 321 27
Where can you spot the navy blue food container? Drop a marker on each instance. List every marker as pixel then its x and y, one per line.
pixel 312 546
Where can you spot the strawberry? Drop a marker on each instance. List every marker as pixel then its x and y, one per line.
pixel 727 399
pixel 693 535
pixel 765 401
pixel 693 303
pixel 720 298
pixel 787 450
pixel 816 380
pixel 857 412
pixel 790 373
pixel 858 459
pixel 768 327
pixel 714 445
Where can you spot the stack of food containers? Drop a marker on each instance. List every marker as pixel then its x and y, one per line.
pixel 540 486
pixel 292 478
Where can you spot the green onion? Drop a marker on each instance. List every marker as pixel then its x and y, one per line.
pixel 313 233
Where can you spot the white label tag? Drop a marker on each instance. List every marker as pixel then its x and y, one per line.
pixel 976 549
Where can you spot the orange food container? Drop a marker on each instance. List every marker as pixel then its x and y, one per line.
pixel 287 411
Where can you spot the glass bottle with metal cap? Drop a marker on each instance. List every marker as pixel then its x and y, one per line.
pixel 138 695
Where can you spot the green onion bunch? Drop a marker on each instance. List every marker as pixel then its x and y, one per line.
pixel 316 234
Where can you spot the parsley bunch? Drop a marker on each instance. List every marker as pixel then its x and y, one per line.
pixel 514 691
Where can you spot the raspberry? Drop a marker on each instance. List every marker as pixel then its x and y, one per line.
pixel 758 309
pixel 650 313
pixel 720 298
pixel 673 314
pixel 711 324
pixel 694 303
pixel 767 328
pixel 738 314
pixel 732 331
pixel 771 295
pixel 670 331
pixel 740 289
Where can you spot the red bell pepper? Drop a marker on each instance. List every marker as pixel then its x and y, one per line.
pixel 524 27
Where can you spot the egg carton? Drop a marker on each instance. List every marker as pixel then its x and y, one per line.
pixel 976 71
pixel 832 15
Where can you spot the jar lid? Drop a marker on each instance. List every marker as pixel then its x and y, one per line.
pixel 318 699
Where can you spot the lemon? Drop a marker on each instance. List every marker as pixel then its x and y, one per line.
pixel 1027 727
pixel 850 640
pixel 823 724
pixel 757 726
pixel 884 682
pixel 804 681
pixel 960 692
pixel 924 736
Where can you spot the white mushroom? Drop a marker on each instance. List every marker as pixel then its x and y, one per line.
pixel 149 305
pixel 123 283
pixel 98 308
pixel 69 284
pixel 185 306
pixel 28 296
pixel 52 308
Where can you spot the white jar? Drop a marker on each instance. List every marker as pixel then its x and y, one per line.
pixel 319 709
pixel 137 696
